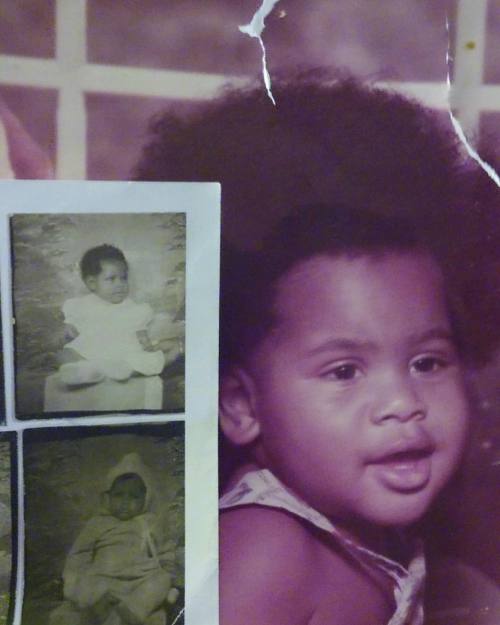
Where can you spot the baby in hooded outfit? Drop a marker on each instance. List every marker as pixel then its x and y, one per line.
pixel 117 571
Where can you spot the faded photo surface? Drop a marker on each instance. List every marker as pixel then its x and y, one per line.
pixel 360 404
pixel 99 307
pixel 104 526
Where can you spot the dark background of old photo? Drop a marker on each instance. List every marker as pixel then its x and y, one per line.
pixel 46 253
pixel 65 473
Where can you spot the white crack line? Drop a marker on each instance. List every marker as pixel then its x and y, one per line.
pixel 178 616
pixel 456 123
pixel 255 29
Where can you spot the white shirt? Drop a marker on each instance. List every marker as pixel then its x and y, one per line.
pixel 108 330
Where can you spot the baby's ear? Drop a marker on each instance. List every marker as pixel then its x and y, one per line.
pixel 236 411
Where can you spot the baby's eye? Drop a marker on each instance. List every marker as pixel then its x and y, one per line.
pixel 344 372
pixel 429 364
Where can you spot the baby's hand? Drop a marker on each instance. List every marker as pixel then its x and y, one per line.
pixel 145 341
pixel 172 348
pixel 173 595
pixel 70 332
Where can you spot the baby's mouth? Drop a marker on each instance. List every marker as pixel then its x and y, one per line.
pixel 405 471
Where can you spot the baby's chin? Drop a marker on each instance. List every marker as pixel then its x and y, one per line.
pixel 116 299
pixel 382 509
pixel 400 510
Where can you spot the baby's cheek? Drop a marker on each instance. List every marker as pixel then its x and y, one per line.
pixel 462 426
pixel 460 413
pixel 453 438
pixel 448 404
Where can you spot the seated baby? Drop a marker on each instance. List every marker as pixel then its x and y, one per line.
pixel 106 330
pixel 117 571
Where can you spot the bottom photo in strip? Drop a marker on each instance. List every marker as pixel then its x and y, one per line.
pixel 104 525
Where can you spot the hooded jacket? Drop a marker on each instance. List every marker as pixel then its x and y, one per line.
pixel 110 553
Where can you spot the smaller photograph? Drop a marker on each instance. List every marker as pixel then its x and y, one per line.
pixel 99 308
pixel 8 517
pixel 104 526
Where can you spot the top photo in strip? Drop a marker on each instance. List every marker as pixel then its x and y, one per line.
pixel 99 310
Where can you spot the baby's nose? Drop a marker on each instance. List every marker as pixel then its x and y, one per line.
pixel 398 398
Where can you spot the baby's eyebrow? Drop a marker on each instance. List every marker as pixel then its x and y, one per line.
pixel 357 345
pixel 440 334
pixel 343 344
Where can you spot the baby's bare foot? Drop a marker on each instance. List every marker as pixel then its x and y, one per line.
pixel 116 370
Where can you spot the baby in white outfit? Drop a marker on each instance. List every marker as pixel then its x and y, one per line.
pixel 105 329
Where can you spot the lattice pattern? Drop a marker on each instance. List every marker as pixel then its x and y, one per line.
pixel 72 76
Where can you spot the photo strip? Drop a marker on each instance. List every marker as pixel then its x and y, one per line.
pixel 110 307
pixel 104 525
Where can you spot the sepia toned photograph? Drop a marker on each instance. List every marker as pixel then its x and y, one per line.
pixel 99 306
pixel 104 526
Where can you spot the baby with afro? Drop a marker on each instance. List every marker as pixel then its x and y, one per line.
pixel 359 281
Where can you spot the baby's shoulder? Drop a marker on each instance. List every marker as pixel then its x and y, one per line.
pixel 141 311
pixel 257 531
pixel 101 521
pixel 272 568
pixel 74 304
pixel 93 529
pixel 275 568
pixel 71 302
pixel 264 556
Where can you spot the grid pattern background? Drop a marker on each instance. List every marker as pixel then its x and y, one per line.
pixel 75 80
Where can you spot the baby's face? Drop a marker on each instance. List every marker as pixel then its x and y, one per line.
pixel 111 284
pixel 359 390
pixel 127 498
